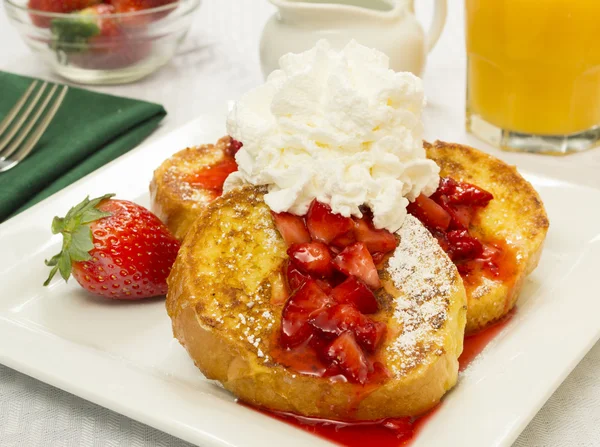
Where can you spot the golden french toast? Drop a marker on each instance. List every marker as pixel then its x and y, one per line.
pixel 184 183
pixel 227 292
pixel 515 217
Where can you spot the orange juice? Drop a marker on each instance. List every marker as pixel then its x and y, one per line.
pixel 534 65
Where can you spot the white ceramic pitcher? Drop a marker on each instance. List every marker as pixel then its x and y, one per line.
pixel 388 25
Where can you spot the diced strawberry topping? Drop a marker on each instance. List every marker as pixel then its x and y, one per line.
pixel 324 285
pixel 347 355
pixel 459 193
pixel 313 258
pixel 378 257
pixel 430 213
pixel 233 147
pixel 331 321
pixel 332 293
pixel 324 225
pixel 354 291
pixel 460 202
pixel 291 227
pixel 294 276
pixel 370 335
pixel 377 241
pixel 308 299
pixel 461 216
pixel 463 246
pixel 356 260
pixel 343 240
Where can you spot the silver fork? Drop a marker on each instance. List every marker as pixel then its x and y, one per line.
pixel 19 132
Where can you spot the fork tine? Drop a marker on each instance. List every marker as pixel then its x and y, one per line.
pixel 11 132
pixel 15 109
pixel 31 141
pixel 14 145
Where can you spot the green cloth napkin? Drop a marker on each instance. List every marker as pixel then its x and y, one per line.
pixel 89 130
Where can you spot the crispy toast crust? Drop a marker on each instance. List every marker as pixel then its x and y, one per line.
pixel 516 215
pixel 175 201
pixel 219 299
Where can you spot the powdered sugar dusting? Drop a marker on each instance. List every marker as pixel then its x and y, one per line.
pixel 425 276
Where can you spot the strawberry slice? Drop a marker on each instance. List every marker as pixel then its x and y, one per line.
pixel 381 241
pixel 356 260
pixel 462 246
pixel 324 285
pixel 294 276
pixel 313 258
pixel 347 355
pixel 331 321
pixel 460 193
pixel 343 240
pixel 233 147
pixel 324 225
pixel 307 300
pixel 212 177
pixel 291 227
pixel 370 334
pixel 432 215
pixel 354 291
pixel 378 257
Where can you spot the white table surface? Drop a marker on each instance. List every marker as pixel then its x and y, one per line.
pixel 218 62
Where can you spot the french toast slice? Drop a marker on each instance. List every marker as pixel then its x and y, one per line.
pixel 516 215
pixel 225 305
pixel 177 200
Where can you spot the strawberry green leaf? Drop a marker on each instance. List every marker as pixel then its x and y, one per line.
pixel 53 260
pixel 72 34
pixel 64 266
pixel 52 273
pixel 92 214
pixel 58 223
pixel 81 243
pixel 78 240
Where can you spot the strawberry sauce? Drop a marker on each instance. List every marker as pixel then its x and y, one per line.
pixel 398 432
pixel 475 343
pixel 327 320
pixel 212 177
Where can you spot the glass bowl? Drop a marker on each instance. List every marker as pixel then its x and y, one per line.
pixel 102 48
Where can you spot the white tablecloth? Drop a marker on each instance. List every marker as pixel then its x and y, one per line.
pixel 218 62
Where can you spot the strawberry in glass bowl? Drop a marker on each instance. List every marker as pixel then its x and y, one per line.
pixel 102 41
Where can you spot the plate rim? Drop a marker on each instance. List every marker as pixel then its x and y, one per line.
pixel 174 426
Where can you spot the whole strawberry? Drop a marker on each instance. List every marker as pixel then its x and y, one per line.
pixel 95 38
pixel 123 6
pixel 59 6
pixel 114 248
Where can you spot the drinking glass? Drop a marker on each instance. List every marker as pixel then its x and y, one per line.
pixel 533 74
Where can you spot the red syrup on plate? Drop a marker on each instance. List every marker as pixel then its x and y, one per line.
pixel 398 432
pixel 475 343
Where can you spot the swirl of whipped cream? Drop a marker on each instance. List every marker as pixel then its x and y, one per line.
pixel 339 127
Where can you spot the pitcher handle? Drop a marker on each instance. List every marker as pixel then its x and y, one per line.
pixel 437 24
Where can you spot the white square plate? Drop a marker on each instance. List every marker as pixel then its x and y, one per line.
pixel 123 356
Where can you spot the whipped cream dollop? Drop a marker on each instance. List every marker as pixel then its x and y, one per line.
pixel 337 126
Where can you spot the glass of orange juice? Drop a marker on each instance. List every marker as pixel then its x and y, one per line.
pixel 534 74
